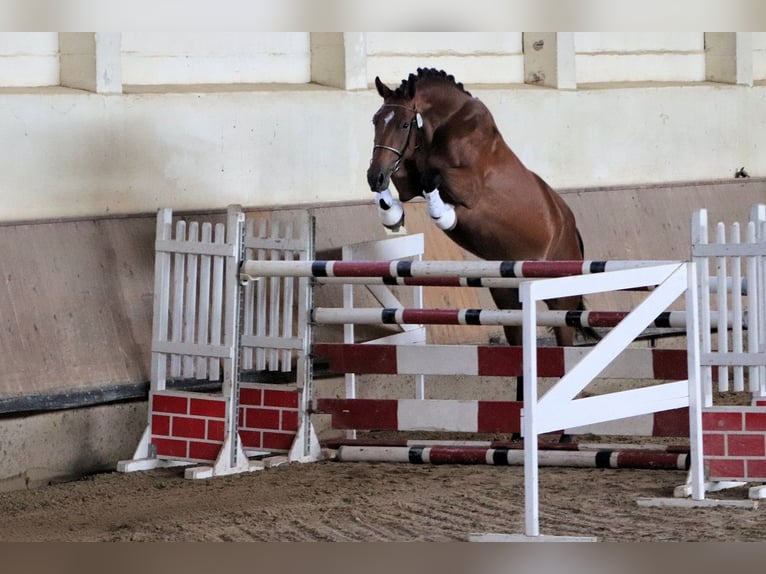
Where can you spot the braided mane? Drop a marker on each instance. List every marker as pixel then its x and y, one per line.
pixel 410 83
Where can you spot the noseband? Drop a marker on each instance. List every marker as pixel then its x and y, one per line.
pixel 400 152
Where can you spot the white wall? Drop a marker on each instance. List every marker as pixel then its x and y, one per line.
pixel 29 59
pixel 640 56
pixel 215 57
pixel 759 56
pixel 70 153
pixel 487 58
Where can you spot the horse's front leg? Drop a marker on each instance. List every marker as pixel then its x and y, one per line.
pixel 390 210
pixel 442 213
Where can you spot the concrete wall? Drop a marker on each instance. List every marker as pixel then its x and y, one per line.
pixel 42 448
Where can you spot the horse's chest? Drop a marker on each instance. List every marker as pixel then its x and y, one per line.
pixel 492 236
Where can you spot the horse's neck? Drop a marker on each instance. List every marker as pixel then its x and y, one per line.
pixel 439 103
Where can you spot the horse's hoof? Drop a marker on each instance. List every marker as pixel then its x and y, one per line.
pixel 396 226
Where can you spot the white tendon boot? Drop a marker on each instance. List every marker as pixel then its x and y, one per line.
pixel 390 209
pixel 442 214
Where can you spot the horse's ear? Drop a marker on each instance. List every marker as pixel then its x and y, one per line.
pixel 382 88
pixel 411 86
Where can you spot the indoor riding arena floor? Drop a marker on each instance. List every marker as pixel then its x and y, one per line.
pixel 371 502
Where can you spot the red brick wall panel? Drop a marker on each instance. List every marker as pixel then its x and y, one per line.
pixel 215 430
pixel 715 420
pixel 188 427
pixel 714 444
pixel 204 450
pixel 262 419
pixel 208 408
pixel 283 399
pixel 745 445
pixel 250 396
pixel 289 420
pixel 755 421
pixel 170 404
pixel 756 469
pixel 726 468
pixel 278 441
pixel 169 447
pixel 160 425
pixel 251 439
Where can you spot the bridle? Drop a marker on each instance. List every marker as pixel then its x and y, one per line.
pixel 400 152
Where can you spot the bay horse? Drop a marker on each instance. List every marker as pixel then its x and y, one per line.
pixel 433 139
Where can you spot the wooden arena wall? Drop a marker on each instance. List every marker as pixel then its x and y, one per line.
pixel 77 295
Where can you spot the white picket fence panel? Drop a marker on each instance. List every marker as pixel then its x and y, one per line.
pixel 728 261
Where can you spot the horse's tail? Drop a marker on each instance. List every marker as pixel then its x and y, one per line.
pixel 585 332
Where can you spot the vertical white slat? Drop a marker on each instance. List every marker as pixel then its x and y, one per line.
pixel 161 302
pixel 736 307
pixel 216 304
pixel 349 337
pixel 203 310
pixel 230 380
pixel 757 292
pixel 247 310
pixel 758 215
pixel 234 220
pixel 275 300
pixel 179 276
pixel 288 288
pixel 190 301
pixel 420 380
pixel 699 233
pixel 304 371
pixel 753 311
pixel 723 308
pixel 761 294
pixel 261 296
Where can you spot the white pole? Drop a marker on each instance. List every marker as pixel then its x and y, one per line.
pixel 697 473
pixel 529 429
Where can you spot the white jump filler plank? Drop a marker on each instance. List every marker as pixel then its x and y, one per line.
pixel 417 414
pixel 463 360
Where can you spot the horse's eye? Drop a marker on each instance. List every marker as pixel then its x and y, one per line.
pixel 405 125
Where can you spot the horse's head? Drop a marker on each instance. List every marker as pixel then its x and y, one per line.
pixel 396 124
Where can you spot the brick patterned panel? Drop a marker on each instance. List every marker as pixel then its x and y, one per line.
pixel 188 426
pixel 734 443
pixel 268 416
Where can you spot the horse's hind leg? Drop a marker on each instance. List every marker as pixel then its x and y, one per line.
pixel 509 299
pixel 565 336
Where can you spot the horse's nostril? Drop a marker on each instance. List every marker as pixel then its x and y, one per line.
pixel 381 177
